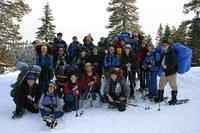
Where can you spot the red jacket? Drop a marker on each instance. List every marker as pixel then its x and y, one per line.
pixel 69 86
pixel 87 79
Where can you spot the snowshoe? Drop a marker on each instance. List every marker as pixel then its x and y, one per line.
pixel 50 121
pixel 182 101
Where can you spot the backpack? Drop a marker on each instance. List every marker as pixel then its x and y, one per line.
pixel 184 57
pixel 25 69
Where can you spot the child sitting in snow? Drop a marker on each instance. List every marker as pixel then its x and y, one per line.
pixel 50 104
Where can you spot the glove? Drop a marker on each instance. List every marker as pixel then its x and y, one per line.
pixel 47 109
pixel 128 65
pixel 103 76
pixel 76 92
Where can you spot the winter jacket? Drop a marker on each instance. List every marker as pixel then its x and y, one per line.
pixel 87 79
pixel 111 61
pixel 135 46
pixel 88 46
pixel 152 61
pixel 48 100
pixel 73 49
pixel 97 62
pixel 125 59
pixel 46 63
pixel 59 43
pixel 79 62
pixel 69 86
pixel 111 88
pixel 140 55
pixel 60 61
pixel 170 60
pixel 24 90
pixel 103 46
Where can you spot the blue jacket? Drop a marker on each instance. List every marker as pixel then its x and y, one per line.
pixel 111 61
pixel 44 61
pixel 73 49
pixel 89 46
pixel 152 60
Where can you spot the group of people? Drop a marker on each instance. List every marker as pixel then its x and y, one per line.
pixel 78 69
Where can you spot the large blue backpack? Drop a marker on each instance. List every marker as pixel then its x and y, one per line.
pixel 184 57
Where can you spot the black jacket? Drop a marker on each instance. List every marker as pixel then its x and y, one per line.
pixel 170 62
pixel 25 90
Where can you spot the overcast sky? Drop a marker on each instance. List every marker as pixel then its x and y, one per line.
pixel 80 17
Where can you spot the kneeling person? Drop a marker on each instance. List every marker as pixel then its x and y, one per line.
pixel 27 96
pixel 116 91
pixel 71 93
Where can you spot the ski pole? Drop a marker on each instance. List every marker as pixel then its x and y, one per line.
pixel 76 105
pixel 88 95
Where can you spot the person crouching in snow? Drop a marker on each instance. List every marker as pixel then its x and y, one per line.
pixel 151 65
pixel 71 93
pixel 27 96
pixel 50 104
pixel 116 91
pixel 90 83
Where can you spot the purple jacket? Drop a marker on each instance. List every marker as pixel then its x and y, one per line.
pixel 48 100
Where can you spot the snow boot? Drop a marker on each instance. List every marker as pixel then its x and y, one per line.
pixel 159 98
pixel 173 100
pixel 17 114
pixel 67 107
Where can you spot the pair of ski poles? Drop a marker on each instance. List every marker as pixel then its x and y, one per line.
pixel 84 103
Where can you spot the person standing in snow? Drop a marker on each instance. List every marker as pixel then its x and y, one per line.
pixel 73 49
pixel 151 65
pixel 169 75
pixel 45 61
pixel 59 42
pixel 111 60
pixel 129 66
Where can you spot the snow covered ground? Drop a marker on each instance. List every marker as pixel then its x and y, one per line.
pixel 183 118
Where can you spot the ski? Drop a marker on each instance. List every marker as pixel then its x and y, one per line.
pixel 181 101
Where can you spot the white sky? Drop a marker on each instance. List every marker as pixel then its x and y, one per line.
pixel 80 17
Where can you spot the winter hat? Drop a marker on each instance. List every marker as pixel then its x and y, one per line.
pixel 113 71
pixel 128 46
pixel 31 76
pixel 52 84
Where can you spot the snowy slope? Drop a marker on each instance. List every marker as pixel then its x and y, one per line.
pixel 183 118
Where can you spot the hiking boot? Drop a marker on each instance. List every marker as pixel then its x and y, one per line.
pixel 173 100
pixel 159 98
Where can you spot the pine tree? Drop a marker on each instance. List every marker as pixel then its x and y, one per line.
pixel 124 16
pixel 160 34
pixel 180 35
pixel 194 39
pixel 47 30
pixel 11 13
pixel 193 5
pixel 167 34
